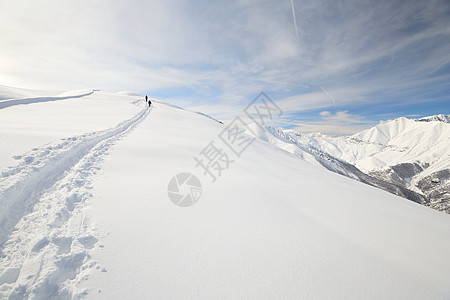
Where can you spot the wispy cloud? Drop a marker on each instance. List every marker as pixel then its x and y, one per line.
pixel 328 94
pixel 295 20
pixel 341 122
pixel 218 55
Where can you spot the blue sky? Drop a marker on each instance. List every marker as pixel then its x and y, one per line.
pixel 331 66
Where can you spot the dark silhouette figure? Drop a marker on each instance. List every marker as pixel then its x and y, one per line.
pixel 149 103
pixel 146 98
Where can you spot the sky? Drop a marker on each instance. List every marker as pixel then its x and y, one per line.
pixel 332 66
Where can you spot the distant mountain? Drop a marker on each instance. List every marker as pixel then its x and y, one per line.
pixel 438 118
pixel 407 157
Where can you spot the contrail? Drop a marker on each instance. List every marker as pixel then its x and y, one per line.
pixel 295 19
pixel 328 94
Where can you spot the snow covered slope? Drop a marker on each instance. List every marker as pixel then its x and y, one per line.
pixel 408 157
pixel 89 217
pixel 7 92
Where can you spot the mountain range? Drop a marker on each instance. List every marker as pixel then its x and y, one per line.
pixel 407 157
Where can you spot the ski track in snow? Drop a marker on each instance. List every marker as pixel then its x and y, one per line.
pixel 45 241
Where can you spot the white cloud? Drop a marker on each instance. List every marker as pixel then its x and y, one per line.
pixel 342 122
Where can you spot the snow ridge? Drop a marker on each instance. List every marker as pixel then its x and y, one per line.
pixel 12 102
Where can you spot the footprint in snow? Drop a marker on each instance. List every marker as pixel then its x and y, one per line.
pixel 9 275
pixel 71 201
pixel 28 159
pixel 64 244
pixel 88 241
pixel 40 244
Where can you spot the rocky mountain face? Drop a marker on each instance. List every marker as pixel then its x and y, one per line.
pixel 439 118
pixel 434 188
pixel 407 157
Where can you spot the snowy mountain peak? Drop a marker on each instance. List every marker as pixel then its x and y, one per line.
pixel 439 118
pixel 405 156
pixel 384 132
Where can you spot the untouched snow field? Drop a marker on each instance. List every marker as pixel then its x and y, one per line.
pixel 85 214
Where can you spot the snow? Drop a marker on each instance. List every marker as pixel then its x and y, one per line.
pixel 92 218
pixel 16 93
